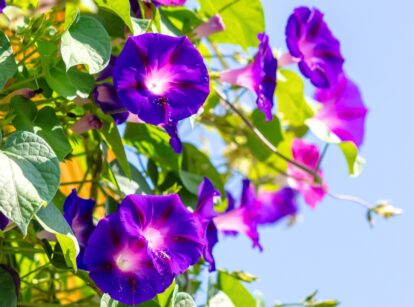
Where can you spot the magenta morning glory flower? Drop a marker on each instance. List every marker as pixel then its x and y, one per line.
pixel 343 110
pixel 308 155
pixel 214 25
pixel 205 213
pixel 169 227
pixel 135 253
pixel 256 210
pixel 241 219
pixel 78 212
pixel 123 265
pixel 258 76
pixel 312 44
pixel 274 206
pixel 106 97
pixel 86 123
pixel 162 79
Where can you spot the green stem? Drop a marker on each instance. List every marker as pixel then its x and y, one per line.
pixel 218 53
pixel 325 149
pixel 79 182
pixel 21 84
pixel 263 139
pixel 352 199
pixel 19 250
pixel 35 270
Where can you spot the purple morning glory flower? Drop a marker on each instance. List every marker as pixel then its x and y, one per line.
pixel 308 155
pixel 274 206
pixel 106 97
pixel 162 79
pixel 124 265
pixel 243 218
pixel 205 213
pixel 4 221
pixel 258 76
pixel 78 212
pixel 86 123
pixel 169 227
pixel 311 42
pixel 214 25
pixel 343 110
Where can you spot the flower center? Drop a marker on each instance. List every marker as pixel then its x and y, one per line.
pixel 157 82
pixel 127 261
pixel 154 237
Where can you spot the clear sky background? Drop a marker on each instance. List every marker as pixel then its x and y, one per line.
pixel 333 249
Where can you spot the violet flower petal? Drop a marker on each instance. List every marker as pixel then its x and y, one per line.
pixel 105 96
pixel 162 79
pixel 169 227
pixel 259 76
pixel 308 155
pixel 122 265
pixel 310 40
pixel 78 212
pixel 205 213
pixel 4 221
pixel 343 110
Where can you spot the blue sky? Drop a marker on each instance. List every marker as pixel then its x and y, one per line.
pixel 333 249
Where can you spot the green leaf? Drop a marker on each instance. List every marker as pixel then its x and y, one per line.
pixel 270 129
pixel 355 162
pixel 182 299
pixel 153 143
pixel 71 14
pixel 86 42
pixel 8 295
pixel 235 290
pixel 118 7
pixel 112 138
pixel 220 299
pixel 43 122
pixel 136 185
pixel 178 19
pixel 165 299
pixel 8 65
pixel 68 84
pixel 30 177
pixel 244 19
pixel 196 165
pixel 140 26
pixel 107 301
pixel 292 104
pixel 152 170
pixel 54 222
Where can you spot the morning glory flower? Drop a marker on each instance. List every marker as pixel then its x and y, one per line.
pixel 255 210
pixel 274 206
pixel 343 110
pixel 169 227
pixel 205 213
pixel 312 45
pixel 86 123
pixel 122 264
pixel 78 212
pixel 135 253
pixel 214 25
pixel 241 219
pixel 308 155
pixel 162 79
pixel 106 97
pixel 169 2
pixel 259 76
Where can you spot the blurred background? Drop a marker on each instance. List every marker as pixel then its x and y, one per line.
pixel 333 249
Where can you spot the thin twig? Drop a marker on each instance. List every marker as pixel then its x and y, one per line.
pixel 263 139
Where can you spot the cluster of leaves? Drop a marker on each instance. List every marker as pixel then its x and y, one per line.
pixel 50 55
